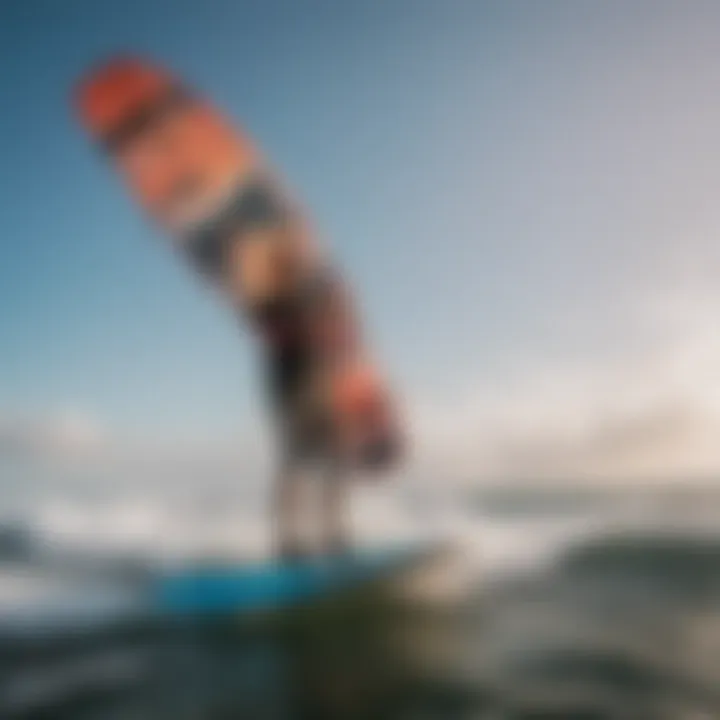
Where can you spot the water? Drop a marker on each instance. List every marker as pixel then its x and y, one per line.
pixel 583 612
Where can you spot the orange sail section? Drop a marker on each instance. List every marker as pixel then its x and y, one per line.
pixel 180 158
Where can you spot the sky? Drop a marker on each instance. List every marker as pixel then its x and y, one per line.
pixel 523 194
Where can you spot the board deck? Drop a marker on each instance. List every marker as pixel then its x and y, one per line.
pixel 274 585
pixel 203 593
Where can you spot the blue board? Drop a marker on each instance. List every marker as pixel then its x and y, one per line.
pixel 273 585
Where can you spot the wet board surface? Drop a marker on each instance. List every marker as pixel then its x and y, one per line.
pixel 275 585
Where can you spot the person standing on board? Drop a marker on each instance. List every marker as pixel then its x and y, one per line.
pixel 204 182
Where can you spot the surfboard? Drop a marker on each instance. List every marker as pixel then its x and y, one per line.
pixel 203 181
pixel 274 585
pixel 204 592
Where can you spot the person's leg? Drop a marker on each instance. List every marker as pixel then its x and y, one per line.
pixel 335 497
pixel 285 371
pixel 288 509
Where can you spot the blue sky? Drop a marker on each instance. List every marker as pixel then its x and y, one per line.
pixel 521 193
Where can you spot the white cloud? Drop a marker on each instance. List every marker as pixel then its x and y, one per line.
pixel 57 434
pixel 70 453
pixel 650 410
